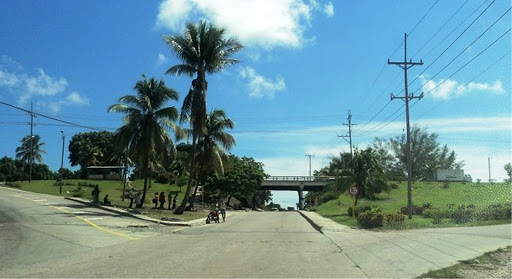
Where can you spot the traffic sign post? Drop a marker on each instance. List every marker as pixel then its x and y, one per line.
pixel 354 191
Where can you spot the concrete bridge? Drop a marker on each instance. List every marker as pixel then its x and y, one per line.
pixel 296 183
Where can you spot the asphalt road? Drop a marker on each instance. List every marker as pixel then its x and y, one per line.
pixel 249 244
pixel 37 228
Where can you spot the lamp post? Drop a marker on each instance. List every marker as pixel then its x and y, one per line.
pixel 62 162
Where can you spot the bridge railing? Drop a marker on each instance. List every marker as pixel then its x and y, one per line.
pixel 300 178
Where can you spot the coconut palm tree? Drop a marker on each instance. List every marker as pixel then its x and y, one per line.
pixel 211 156
pixel 30 149
pixel 202 49
pixel 146 123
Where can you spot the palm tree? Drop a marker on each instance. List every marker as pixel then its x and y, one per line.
pixel 146 124
pixel 211 154
pixel 30 150
pixel 202 49
pixel 368 174
pixel 25 152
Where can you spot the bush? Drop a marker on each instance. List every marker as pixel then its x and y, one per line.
pixel 435 213
pixel 495 212
pixel 394 219
pixel 416 210
pixel 393 186
pixel 461 215
pixel 358 210
pixel 163 178
pixel 78 192
pixel 13 184
pixel 328 196
pixel 446 185
pixel 370 220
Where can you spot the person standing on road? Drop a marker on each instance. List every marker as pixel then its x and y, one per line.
pixel 161 199
pixel 95 194
pixel 174 201
pixel 138 203
pixel 169 198
pixel 131 196
pixel 222 208
pixel 155 200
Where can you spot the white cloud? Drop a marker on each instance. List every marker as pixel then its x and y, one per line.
pixel 443 89
pixel 75 98
pixel 254 22
pixel 260 86
pixel 45 85
pixel 329 9
pixel 161 59
pixel 26 86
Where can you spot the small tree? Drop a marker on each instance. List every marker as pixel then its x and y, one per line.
pixel 508 168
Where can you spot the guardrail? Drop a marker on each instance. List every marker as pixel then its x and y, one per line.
pixel 300 178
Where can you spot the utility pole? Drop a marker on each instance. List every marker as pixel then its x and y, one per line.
pixel 310 155
pixel 31 143
pixel 62 162
pixel 349 118
pixel 406 65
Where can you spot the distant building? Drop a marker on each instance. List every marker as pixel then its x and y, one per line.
pixel 105 172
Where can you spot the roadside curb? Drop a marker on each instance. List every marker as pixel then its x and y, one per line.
pixel 124 212
pixel 311 222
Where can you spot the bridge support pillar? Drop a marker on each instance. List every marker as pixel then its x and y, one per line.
pixel 301 196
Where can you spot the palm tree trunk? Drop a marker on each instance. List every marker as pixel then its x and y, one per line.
pixel 181 208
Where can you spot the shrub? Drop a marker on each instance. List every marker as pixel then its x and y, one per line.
pixel 393 186
pixel 370 220
pixel 461 215
pixel 328 196
pixel 78 192
pixel 416 210
pixel 446 185
pixel 13 184
pixel 394 219
pixel 163 178
pixel 435 213
pixel 495 212
pixel 358 210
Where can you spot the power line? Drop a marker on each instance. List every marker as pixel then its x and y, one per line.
pixel 441 28
pixel 460 53
pixel 461 87
pixel 414 28
pixel 460 35
pixel 49 117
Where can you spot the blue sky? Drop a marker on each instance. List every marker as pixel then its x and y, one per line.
pixel 304 65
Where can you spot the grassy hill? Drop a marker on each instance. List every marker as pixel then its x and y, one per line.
pixel 443 197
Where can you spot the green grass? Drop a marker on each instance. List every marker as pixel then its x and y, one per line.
pixel 481 262
pixel 479 195
pixel 114 189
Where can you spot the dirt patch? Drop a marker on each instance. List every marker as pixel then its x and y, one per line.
pixel 497 264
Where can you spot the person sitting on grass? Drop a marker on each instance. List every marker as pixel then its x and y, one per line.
pixel 106 201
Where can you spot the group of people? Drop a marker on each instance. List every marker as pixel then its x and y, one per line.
pixel 137 196
pixel 218 208
pixel 161 199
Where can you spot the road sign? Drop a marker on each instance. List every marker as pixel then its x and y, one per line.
pixel 353 190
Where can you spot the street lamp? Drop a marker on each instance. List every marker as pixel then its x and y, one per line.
pixel 62 162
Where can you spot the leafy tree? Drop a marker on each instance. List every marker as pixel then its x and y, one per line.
pixel 508 169
pixel 241 180
pixel 8 170
pixel 93 149
pixel 146 123
pixel 202 49
pixel 427 154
